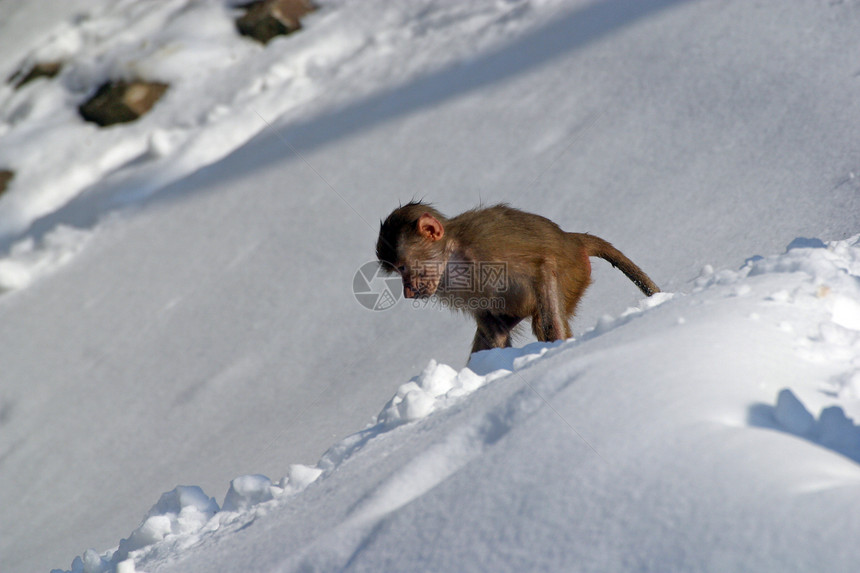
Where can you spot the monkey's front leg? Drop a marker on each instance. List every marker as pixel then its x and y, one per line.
pixel 494 331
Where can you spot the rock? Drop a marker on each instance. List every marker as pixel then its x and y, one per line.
pixel 121 101
pixel 40 70
pixel 5 177
pixel 266 19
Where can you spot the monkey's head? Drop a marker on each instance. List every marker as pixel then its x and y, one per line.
pixel 412 243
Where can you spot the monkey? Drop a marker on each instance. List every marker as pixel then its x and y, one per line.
pixel 499 264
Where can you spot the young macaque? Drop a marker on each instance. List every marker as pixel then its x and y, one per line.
pixel 499 264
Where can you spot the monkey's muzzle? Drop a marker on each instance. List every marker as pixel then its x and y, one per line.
pixel 419 291
pixel 409 292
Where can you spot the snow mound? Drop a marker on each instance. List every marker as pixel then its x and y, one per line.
pixel 180 512
pixel 184 515
pixel 29 259
pixel 801 294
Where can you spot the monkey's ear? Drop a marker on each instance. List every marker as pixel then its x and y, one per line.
pixel 430 228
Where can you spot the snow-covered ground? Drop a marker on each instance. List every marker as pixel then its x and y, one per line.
pixel 178 305
pixel 712 431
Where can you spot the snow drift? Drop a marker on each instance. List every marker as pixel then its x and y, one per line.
pixel 683 435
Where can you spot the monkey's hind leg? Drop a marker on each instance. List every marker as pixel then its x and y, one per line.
pixel 548 321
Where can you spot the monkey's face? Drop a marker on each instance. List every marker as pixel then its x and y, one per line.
pixel 412 245
pixel 421 279
pixel 419 264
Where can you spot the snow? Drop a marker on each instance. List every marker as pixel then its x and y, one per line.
pixel 177 293
pixel 185 530
pixel 27 260
pixel 685 465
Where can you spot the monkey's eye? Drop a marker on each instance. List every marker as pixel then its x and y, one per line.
pixel 401 269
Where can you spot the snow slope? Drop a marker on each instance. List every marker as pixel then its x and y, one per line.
pixel 180 307
pixel 684 435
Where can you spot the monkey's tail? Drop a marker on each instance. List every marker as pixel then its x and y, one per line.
pixel 597 247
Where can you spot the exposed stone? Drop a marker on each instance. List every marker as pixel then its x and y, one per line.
pixel 5 177
pixel 266 19
pixel 40 70
pixel 121 101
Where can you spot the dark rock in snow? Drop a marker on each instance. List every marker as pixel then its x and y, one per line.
pixel 40 70
pixel 266 19
pixel 121 101
pixel 5 177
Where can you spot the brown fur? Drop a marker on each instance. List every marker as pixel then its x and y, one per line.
pixel 546 269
